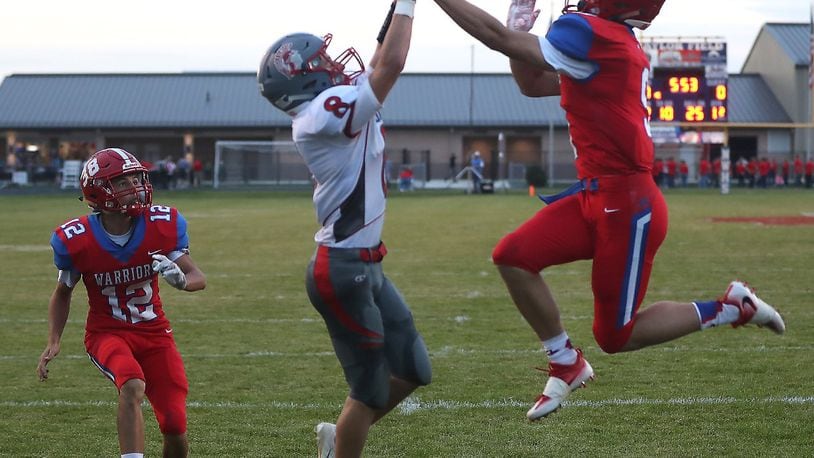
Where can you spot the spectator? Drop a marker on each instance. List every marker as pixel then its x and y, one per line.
pixel 798 170
pixel 476 164
pixel 703 173
pixel 716 173
pixel 786 167
pixel 197 170
pixel 406 179
pixel 763 167
pixel 658 171
pixel 752 172
pixel 683 172
pixel 183 172
pixel 740 172
pixel 157 173
pixel 170 168
pixel 671 172
pixel 809 172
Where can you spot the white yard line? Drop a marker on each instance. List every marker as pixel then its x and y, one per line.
pixel 413 405
pixel 447 351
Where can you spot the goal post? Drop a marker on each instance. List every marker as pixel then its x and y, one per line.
pixel 258 163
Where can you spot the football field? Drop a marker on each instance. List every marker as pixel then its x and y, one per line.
pixel 262 371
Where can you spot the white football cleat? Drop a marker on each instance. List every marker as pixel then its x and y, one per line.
pixel 562 380
pixel 752 309
pixel 326 440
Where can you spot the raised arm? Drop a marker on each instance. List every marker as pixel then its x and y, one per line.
pixel 532 81
pixel 391 54
pixel 521 46
pixel 374 61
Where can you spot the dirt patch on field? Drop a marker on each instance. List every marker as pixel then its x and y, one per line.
pixel 769 220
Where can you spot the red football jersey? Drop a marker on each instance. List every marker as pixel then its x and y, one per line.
pixel 121 285
pixel 607 113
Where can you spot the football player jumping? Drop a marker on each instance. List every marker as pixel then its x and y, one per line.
pixel 615 215
pixel 338 131
pixel 119 251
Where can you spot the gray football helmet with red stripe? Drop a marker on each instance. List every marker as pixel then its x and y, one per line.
pixel 297 67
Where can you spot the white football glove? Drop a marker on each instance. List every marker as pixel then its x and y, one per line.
pixel 522 15
pixel 170 271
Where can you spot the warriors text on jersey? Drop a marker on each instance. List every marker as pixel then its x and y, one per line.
pixel 341 138
pixel 603 78
pixel 122 287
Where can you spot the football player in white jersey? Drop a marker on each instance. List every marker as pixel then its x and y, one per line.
pixel 338 131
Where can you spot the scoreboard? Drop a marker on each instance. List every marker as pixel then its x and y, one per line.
pixel 688 80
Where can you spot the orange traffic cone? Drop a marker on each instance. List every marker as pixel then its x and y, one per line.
pixel 532 191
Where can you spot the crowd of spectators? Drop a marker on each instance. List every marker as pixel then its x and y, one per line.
pixel 745 173
pixel 170 174
pixel 45 167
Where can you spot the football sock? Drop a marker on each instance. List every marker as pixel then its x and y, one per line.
pixel 715 313
pixel 559 349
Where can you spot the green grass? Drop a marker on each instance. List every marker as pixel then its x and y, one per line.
pixel 262 372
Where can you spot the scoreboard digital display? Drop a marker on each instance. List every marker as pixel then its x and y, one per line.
pixel 688 81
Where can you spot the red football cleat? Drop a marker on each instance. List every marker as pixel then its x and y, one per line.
pixel 562 380
pixel 752 309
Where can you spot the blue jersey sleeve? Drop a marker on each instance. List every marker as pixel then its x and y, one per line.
pixel 62 259
pixel 183 238
pixel 572 35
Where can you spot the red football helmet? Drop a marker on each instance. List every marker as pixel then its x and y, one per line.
pixel 97 187
pixel 635 13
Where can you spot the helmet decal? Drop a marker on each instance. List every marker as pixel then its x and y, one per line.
pixel 129 163
pixel 297 68
pixel 287 61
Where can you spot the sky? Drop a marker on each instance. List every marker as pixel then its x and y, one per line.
pixel 169 36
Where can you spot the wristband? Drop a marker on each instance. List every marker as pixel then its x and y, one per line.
pixel 386 25
pixel 405 8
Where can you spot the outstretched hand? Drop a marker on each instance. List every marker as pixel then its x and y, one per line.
pixel 51 351
pixel 522 15
pixel 170 271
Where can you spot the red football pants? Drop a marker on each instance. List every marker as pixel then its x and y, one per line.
pixel 152 357
pixel 620 226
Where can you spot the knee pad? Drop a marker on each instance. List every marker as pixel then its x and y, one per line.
pixel 172 421
pixel 508 253
pixel 612 340
pixel 503 254
pixel 369 384
pixel 419 370
pixel 407 356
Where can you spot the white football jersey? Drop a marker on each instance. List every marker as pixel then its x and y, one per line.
pixel 339 134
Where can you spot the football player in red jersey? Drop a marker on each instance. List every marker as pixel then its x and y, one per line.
pixel 118 252
pixel 615 215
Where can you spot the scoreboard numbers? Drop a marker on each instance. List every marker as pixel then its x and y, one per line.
pixel 688 81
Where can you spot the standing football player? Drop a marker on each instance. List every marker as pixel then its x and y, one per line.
pixel 615 214
pixel 118 251
pixel 338 131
